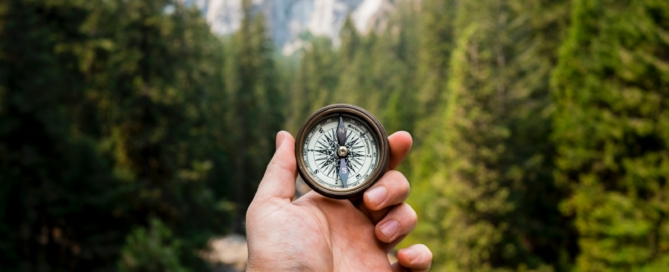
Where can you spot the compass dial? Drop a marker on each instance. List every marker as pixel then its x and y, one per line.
pixel 341 150
pixel 322 153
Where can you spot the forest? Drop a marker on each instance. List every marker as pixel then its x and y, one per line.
pixel 130 134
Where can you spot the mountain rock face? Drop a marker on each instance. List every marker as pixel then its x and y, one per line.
pixel 291 22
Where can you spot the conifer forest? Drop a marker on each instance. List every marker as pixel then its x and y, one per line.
pixel 130 134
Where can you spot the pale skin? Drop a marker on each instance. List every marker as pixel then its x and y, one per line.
pixel 315 233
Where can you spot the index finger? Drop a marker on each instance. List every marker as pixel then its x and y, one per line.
pixel 400 144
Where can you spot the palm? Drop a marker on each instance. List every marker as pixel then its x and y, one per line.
pixel 331 234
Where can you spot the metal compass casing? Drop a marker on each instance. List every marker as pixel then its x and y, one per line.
pixel 341 150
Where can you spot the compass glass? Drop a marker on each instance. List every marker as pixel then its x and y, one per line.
pixel 323 154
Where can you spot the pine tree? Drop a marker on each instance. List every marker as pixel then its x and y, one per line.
pixel 103 125
pixel 314 82
pixel 489 196
pixel 57 189
pixel 255 105
pixel 355 56
pixel 610 124
pixel 350 42
pixel 436 43
pixel 399 75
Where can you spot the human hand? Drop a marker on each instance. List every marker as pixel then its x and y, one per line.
pixel 316 233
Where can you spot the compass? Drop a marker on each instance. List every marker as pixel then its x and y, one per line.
pixel 341 150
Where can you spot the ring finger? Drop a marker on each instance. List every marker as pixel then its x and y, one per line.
pixel 399 222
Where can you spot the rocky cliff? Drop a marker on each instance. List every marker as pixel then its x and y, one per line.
pixel 291 22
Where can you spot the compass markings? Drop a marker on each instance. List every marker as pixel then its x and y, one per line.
pixel 324 152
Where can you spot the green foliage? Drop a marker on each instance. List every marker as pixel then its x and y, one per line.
pixel 104 124
pixel 254 110
pixel 610 125
pixel 313 83
pixel 376 70
pixel 129 134
pixel 51 173
pixel 153 249
pixel 487 193
pixel 436 43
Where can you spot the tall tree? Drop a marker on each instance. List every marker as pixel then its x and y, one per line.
pixel 398 73
pixel 314 82
pixel 155 79
pixel 489 196
pixel 56 186
pixel 102 127
pixel 350 42
pixel 610 126
pixel 436 41
pixel 255 114
pixel 355 56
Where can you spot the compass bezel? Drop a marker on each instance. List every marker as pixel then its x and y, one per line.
pixel 380 137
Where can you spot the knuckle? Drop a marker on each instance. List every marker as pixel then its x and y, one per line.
pixel 401 180
pixel 409 213
pixel 398 183
pixel 406 188
pixel 273 166
pixel 427 253
pixel 395 175
pixel 278 166
pixel 274 169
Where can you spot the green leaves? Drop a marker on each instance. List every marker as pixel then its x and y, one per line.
pixel 486 157
pixel 608 129
pixel 129 134
pixel 151 249
pixel 104 122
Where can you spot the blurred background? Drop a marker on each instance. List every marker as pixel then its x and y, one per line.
pixel 133 134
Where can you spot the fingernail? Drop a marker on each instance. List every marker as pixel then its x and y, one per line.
pixel 390 228
pixel 279 139
pixel 409 253
pixel 377 195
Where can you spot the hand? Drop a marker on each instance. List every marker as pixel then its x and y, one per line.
pixel 315 233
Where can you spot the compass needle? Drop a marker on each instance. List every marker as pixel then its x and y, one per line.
pixel 342 151
pixel 343 171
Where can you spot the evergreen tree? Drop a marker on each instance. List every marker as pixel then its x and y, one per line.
pixel 400 72
pixel 494 206
pixel 314 82
pixel 254 108
pixel 436 42
pixel 151 249
pixel 350 42
pixel 153 86
pixel 103 126
pixel 610 127
pixel 56 187
pixel 355 55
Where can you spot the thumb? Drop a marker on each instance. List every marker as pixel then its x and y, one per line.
pixel 279 179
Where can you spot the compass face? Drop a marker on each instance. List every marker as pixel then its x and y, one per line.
pixel 341 150
pixel 323 154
